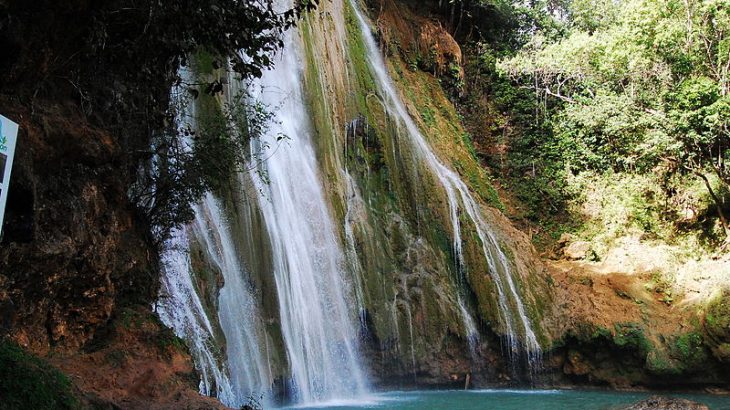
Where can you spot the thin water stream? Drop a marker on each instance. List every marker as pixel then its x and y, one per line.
pixel 459 198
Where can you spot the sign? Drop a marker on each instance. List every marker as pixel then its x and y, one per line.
pixel 8 136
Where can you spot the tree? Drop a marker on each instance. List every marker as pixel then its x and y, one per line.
pixel 638 83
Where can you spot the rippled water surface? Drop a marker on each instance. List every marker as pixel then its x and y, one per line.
pixel 508 400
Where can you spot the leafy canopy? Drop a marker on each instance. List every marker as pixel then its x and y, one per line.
pixel 635 85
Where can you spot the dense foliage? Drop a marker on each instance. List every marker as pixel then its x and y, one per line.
pixel 602 92
pixel 637 86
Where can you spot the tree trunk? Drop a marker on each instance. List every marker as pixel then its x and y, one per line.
pixel 718 203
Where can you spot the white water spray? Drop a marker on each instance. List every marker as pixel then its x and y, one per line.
pixel 247 374
pixel 317 311
pixel 238 314
pixel 180 308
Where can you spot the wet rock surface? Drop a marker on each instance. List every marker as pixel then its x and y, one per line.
pixel 667 403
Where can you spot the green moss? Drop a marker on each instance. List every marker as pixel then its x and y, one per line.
pixel 466 138
pixel 689 348
pixel 131 318
pixel 631 336
pixel 588 332
pixel 427 116
pixel 659 363
pixel 27 382
pixel 167 342
pixel 601 332
pixel 478 182
pixel 584 332
pixel 717 317
pixel 717 325
pixel 357 53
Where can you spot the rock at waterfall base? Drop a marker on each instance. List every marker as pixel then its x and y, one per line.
pixel 666 403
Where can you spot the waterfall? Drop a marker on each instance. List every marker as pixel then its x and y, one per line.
pixel 247 374
pixel 311 268
pixel 317 311
pixel 237 311
pixel 354 205
pixel 459 198
pixel 241 373
pixel 180 308
pixel 472 334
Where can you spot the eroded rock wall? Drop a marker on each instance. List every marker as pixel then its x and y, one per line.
pixel 72 247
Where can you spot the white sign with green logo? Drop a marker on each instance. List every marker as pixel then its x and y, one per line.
pixel 8 136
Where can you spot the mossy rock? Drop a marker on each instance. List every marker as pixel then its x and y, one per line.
pixel 631 336
pixel 722 352
pixel 660 363
pixel 717 325
pixel 717 317
pixel 686 353
pixel 690 350
pixel 28 382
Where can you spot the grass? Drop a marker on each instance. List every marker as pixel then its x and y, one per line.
pixel 28 382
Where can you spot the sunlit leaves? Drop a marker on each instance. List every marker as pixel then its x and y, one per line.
pixel 634 85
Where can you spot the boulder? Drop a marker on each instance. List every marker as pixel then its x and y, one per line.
pixel 666 403
pixel 565 239
pixel 577 250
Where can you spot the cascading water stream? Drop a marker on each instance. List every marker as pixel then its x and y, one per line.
pixel 247 374
pixel 354 205
pixel 317 313
pixel 237 311
pixel 181 309
pixel 472 334
pixel 457 192
pixel 317 318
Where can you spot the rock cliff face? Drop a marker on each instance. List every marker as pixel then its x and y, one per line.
pixel 72 247
pixel 75 254
pixel 394 210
